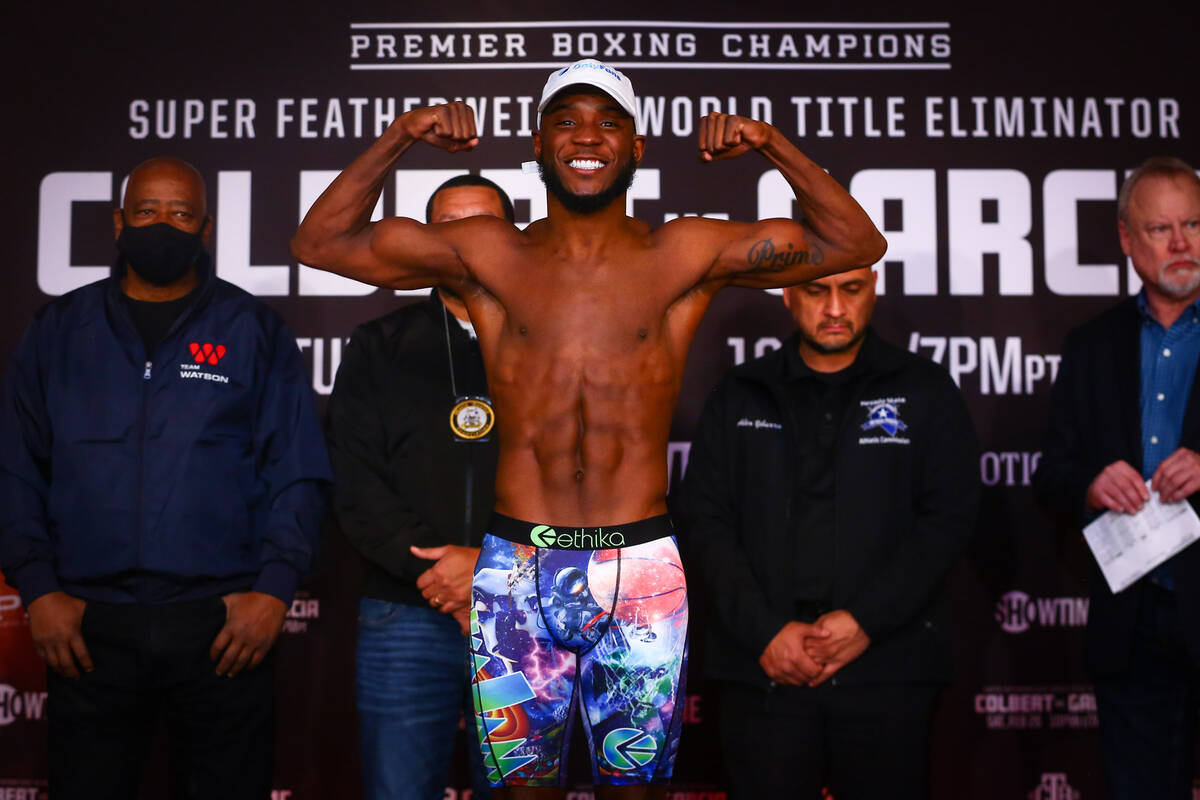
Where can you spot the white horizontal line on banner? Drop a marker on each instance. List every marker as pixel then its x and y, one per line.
pixel 647 24
pixel 652 65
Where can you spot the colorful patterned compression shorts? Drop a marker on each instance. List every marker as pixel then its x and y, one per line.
pixel 566 619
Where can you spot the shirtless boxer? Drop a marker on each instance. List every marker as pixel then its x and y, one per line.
pixel 584 320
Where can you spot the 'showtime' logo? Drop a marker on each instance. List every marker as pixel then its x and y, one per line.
pixel 16 705
pixel 1017 612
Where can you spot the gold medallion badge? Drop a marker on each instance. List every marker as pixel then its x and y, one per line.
pixel 472 418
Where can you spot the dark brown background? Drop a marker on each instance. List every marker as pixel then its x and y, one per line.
pixel 75 73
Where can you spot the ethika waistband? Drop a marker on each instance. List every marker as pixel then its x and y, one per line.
pixel 563 537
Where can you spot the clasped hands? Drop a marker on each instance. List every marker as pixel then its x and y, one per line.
pixel 447 584
pixel 808 655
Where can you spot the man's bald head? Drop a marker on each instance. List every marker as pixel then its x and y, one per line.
pixel 165 189
pixel 169 163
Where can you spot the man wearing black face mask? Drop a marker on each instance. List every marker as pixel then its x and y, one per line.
pixel 161 472
pixel 160 246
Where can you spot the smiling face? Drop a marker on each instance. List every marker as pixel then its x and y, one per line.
pixel 1161 235
pixel 586 149
pixel 833 314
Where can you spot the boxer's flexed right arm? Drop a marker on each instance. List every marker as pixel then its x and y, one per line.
pixel 337 233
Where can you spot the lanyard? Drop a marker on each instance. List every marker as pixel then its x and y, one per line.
pixel 471 418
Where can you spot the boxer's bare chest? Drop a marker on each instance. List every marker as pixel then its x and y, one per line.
pixel 623 311
pixel 585 358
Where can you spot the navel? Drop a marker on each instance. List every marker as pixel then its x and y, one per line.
pixel 579 476
pixel 523 331
pixel 643 333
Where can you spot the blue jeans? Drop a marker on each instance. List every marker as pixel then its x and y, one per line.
pixel 413 688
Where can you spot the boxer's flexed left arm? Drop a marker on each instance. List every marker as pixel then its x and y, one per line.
pixel 337 233
pixel 834 235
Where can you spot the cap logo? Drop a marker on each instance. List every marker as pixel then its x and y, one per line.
pixel 593 65
pixel 591 73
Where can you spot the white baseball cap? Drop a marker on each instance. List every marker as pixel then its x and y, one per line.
pixel 591 72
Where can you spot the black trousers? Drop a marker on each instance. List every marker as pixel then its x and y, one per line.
pixel 862 742
pixel 152 664
pixel 1148 714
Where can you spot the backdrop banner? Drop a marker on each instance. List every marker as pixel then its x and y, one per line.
pixel 987 144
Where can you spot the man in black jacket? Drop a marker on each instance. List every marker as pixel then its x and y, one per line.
pixel 1125 411
pixel 414 459
pixel 830 488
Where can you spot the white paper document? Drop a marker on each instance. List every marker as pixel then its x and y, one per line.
pixel 1127 546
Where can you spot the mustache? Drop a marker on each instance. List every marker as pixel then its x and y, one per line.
pixel 1193 260
pixel 1179 284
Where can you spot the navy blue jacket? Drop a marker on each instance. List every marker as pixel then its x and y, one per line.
pixel 195 470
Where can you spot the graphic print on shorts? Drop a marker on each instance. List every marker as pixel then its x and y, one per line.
pixel 604 631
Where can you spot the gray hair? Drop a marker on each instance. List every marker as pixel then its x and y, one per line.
pixel 1153 167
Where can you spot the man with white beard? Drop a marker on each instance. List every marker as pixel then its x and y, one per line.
pixel 1123 413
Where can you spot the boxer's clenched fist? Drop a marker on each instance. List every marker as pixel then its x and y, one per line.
pixel 728 135
pixel 448 127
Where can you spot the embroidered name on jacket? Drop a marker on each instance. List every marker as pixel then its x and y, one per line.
pixel 203 354
pixel 883 416
pixel 758 423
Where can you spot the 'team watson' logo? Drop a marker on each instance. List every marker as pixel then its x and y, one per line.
pixel 207 353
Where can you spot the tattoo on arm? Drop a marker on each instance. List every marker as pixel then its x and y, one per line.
pixel 765 256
